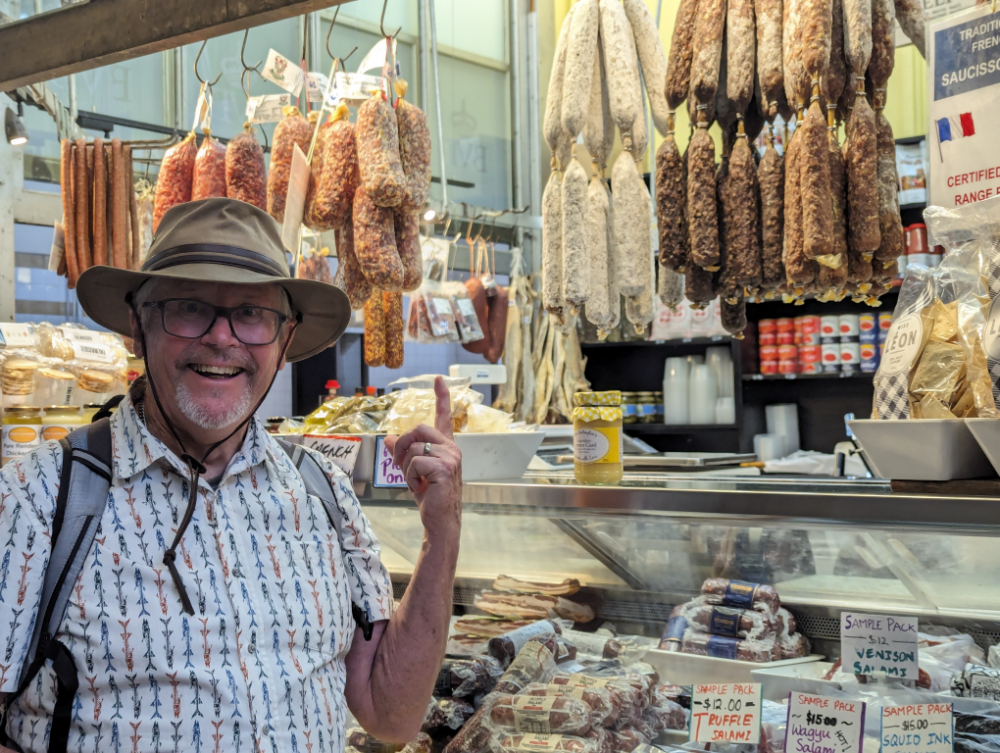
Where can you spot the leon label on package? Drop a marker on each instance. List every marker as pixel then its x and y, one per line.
pixel 817 724
pixel 873 644
pixel 726 712
pixel 918 728
pixel 902 344
pixel 342 451
pixel 266 108
pixel 281 71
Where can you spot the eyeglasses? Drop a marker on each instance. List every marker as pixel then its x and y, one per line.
pixel 191 319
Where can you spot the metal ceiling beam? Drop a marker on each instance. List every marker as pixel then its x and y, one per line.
pixel 89 35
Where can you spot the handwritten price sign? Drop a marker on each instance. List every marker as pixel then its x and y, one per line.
pixel 726 712
pixel 342 451
pixel 817 724
pixel 879 644
pixel 921 728
pixel 387 473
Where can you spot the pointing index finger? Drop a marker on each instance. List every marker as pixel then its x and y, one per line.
pixel 442 417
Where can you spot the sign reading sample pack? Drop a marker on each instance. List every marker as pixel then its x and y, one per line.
pixel 963 101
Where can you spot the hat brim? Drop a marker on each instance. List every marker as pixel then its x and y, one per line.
pixel 325 308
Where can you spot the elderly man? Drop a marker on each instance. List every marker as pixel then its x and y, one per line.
pixel 215 608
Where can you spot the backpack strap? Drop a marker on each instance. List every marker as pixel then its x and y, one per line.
pixel 83 496
pixel 318 484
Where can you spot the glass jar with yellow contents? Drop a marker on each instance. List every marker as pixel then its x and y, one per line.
pixel 597 437
pixel 20 432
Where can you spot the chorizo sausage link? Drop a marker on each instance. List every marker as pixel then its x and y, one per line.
pixel 375 243
pixel 293 130
pixel 702 215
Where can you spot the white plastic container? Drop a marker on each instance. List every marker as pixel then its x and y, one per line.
pixel 688 669
pixel 703 392
pixel 930 449
pixel 795 678
pixel 987 433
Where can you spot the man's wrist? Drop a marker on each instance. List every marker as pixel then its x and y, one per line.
pixel 443 537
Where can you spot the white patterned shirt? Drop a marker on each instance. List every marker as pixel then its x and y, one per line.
pixel 259 666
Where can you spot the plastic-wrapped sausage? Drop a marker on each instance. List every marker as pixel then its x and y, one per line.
pixel 702 216
pixel 857 35
pixel 620 64
pixel 771 179
pixel 576 246
pixel 910 14
pixel 883 45
pixel 414 150
pixel 552 247
pixel 329 207
pixel 627 739
pixel 580 51
pixel 463 678
pixel 548 714
pixel 600 302
pixel 890 224
pixel 349 275
pixel 375 333
pixel 743 240
pixel 603 708
pixel 731 621
pixel 739 593
pixel 798 269
pixel 535 660
pixel 67 167
pixel 680 55
pixel 670 715
pixel 709 28
pixel 671 201
pixel 209 170
pixel 392 307
pixel 293 130
pixel 816 21
pixel 553 744
pixel 375 243
pixel 770 68
pixel 651 58
pixel 862 179
pixel 552 128
pixel 741 43
pixel 835 78
pixel 817 204
pixel 599 130
pixel 447 714
pixel 379 164
pixel 310 216
pixel 245 172
pixel 407 231
pixel 81 196
pixel 631 227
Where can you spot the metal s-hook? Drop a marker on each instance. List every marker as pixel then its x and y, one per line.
pixel 196 75
pixel 381 22
pixel 340 61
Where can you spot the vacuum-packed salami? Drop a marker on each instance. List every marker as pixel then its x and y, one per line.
pixel 580 51
pixel 771 179
pixel 349 275
pixel 599 130
pixel 631 227
pixel 743 240
pixel 174 182
pixel 335 178
pixel 671 200
pixel 890 225
pixel 910 14
pixel 375 243
pixel 817 211
pixel 709 29
pixel 862 179
pixel 552 247
pixel 545 714
pixel 375 331
pixel 576 251
pixel 67 168
pixel 741 43
pixel 620 63
pixel 293 130
pixel 702 216
pixel 392 306
pixel 883 45
pixel 681 53
pixel 651 58
pixel 604 707
pixel 414 150
pixel 379 164
pixel 209 170
pixel 798 269
pixel 770 68
pixel 245 172
pixel 407 230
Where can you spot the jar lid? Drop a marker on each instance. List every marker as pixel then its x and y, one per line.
pixel 51 408
pixel 612 397
pixel 645 394
pixel 23 409
pixel 597 413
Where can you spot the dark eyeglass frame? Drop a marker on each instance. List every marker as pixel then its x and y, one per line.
pixel 225 312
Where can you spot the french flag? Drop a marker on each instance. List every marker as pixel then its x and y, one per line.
pixel 952 128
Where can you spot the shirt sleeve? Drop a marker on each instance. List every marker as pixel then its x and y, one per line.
pixel 371 588
pixel 28 490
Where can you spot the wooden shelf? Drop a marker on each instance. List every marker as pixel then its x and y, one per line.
pixel 857 375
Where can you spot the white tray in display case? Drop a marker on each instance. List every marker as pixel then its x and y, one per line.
pixel 676 668
pixel 987 433
pixel 929 449
pixel 778 682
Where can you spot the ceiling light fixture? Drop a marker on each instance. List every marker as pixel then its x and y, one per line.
pixel 17 134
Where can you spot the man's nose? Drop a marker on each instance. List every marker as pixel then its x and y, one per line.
pixel 220 333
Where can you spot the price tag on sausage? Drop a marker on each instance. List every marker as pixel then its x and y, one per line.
pixel 817 724
pixel 726 712
pixel 874 644
pixel 921 728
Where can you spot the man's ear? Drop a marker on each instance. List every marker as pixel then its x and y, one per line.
pixel 136 333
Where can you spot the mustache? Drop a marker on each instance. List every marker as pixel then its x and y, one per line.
pixel 219 356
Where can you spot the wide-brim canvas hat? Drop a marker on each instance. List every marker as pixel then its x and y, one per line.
pixel 219 240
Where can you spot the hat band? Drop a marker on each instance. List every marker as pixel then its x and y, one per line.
pixel 212 253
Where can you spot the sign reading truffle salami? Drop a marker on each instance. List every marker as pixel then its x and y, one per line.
pixel 817 724
pixel 726 712
pixel 920 728
pixel 879 644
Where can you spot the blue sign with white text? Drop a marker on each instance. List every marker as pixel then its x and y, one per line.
pixel 966 57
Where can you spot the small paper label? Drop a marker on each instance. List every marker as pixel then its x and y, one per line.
pixel 88 351
pixel 79 335
pixel 531 713
pixel 376 56
pixel 354 87
pixel 387 473
pixel 586 681
pixel 920 728
pixel 466 307
pixel 281 71
pixel 600 445
pixel 16 336
pixel 342 451
pixel 539 742
pixel 267 108
pixel 295 200
pixel 589 643
pixel 985 686
pixel 316 85
pixel 879 644
pixel 203 110
pixel 817 724
pixel 19 439
pixel 726 712
pixel 902 344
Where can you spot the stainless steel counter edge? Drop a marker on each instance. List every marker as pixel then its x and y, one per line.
pixel 754 501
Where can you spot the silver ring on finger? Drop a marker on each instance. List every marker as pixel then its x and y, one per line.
pixel 427 448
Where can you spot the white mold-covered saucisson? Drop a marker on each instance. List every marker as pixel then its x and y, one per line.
pixel 552 128
pixel 709 30
pixel 621 65
pixel 890 225
pixel 681 51
pixel 652 59
pixel 741 43
pixel 576 248
pixel 580 51
pixel 552 247
pixel 702 213
pixel 770 69
pixel 599 130
pixel 671 200
pixel 631 227
pixel 603 299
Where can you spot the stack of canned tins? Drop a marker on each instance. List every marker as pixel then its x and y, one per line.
pixel 848 343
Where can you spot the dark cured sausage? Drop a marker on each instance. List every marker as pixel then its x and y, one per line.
pixel 67 167
pixel 375 243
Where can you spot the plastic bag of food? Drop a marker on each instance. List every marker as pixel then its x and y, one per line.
pixel 469 326
pixel 481 419
pixel 419 406
pixel 356 423
pixel 18 375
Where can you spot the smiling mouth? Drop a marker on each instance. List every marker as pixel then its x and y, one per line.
pixel 216 372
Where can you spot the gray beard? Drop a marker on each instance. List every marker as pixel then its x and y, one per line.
pixel 199 416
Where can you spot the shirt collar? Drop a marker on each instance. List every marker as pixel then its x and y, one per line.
pixel 135 449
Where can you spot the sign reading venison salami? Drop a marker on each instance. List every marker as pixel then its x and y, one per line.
pixel 964 99
pixel 726 712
